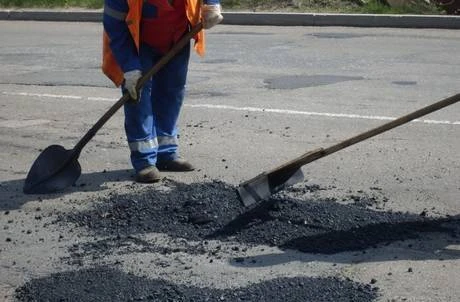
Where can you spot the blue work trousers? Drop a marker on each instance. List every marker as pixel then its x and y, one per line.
pixel 151 125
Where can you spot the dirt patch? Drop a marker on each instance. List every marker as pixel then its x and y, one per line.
pixel 108 284
pixel 302 81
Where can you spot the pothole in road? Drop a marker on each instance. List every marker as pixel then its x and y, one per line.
pixel 213 211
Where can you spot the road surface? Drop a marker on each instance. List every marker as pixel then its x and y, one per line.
pixel 261 96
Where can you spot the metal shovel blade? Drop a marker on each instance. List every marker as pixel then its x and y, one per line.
pixel 54 169
pixel 263 186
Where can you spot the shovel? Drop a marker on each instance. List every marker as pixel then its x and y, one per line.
pixel 264 185
pixel 57 168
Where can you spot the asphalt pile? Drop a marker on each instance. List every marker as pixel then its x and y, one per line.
pixel 107 284
pixel 205 211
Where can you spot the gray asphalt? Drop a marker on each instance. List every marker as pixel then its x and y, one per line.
pixel 261 96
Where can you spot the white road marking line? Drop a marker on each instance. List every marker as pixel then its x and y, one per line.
pixel 247 109
pixel 44 95
pixel 22 123
pixel 101 99
pixel 296 112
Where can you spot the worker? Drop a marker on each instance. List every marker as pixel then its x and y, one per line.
pixel 137 33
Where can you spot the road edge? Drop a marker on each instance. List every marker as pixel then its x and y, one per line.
pixel 260 18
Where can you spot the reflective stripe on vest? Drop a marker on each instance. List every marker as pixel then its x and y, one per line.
pixel 143 146
pixel 167 141
pixel 133 20
pixel 116 14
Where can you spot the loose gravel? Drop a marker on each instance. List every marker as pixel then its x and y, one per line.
pixel 108 284
pixel 205 211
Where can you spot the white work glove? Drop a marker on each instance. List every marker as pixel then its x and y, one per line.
pixel 211 15
pixel 131 79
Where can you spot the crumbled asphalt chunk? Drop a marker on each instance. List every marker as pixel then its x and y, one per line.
pixel 363 201
pixel 108 284
pixel 200 219
pixel 128 245
pixel 212 210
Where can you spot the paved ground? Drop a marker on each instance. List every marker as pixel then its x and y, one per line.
pixel 262 95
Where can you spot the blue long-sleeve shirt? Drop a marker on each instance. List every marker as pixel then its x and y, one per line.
pixel 121 42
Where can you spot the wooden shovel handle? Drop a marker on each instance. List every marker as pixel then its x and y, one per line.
pixel 321 152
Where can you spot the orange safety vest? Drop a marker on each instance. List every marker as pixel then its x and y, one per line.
pixel 110 66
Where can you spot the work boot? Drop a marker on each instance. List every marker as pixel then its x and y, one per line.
pixel 176 165
pixel 148 175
